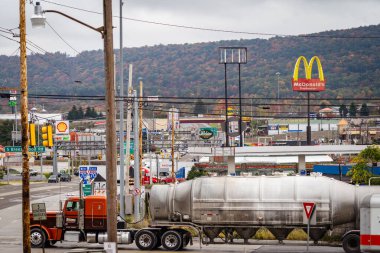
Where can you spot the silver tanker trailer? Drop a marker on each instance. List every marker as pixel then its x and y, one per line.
pixel 214 205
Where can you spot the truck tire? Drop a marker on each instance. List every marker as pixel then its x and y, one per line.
pixel 145 239
pixel 37 238
pixel 172 240
pixel 351 243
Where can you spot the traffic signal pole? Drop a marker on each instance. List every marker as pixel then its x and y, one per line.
pixel 55 169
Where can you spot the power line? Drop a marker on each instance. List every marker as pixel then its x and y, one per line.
pixel 62 38
pixel 16 51
pixel 36 46
pixel 9 38
pixel 146 98
pixel 4 30
pixel 218 30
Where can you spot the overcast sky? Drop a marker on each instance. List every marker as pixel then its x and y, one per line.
pixel 290 17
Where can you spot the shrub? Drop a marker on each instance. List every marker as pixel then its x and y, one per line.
pixel 196 172
pixel 48 174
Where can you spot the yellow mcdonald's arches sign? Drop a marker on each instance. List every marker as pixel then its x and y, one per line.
pixel 231 111
pixel 308 83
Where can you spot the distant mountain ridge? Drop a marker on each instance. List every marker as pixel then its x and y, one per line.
pixel 351 67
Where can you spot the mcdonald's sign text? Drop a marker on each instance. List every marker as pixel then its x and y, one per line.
pixel 308 83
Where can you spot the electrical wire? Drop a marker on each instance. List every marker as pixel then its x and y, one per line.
pixel 190 110
pixel 9 38
pixel 218 30
pixel 15 52
pixel 36 46
pixel 62 38
pixel 4 30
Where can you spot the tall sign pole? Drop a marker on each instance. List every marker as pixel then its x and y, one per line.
pixel 24 131
pixel 232 55
pixel 308 84
pixel 110 123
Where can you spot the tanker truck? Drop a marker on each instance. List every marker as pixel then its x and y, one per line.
pixel 228 205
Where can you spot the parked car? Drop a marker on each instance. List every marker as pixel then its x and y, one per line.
pixel 169 180
pixel 65 177
pixel 53 179
pixel 33 172
pixel 76 172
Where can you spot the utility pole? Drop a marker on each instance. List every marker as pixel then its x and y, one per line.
pixel 111 162
pixel 140 130
pixel 136 171
pixel 24 131
pixel 173 173
pixel 128 128
pixel 121 123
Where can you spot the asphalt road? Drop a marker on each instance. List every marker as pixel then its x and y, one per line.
pixel 292 247
pixel 10 195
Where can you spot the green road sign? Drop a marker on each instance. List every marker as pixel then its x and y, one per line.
pixel 87 190
pixel 12 103
pixel 131 148
pixel 17 149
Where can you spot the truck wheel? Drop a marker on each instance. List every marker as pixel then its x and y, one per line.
pixel 351 243
pixel 37 238
pixel 172 240
pixel 145 240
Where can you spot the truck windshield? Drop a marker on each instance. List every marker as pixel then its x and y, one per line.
pixel 72 206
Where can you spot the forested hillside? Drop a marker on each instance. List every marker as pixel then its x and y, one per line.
pixel 351 66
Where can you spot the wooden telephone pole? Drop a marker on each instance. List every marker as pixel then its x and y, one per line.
pixel 24 134
pixel 110 123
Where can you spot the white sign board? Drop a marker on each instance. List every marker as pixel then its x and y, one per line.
pixel 39 211
pixel 100 188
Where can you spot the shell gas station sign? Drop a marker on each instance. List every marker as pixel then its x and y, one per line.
pixel 62 127
pixel 308 83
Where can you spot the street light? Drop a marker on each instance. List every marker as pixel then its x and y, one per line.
pixel 38 20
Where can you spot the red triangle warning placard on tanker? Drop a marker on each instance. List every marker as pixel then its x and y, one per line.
pixel 308 207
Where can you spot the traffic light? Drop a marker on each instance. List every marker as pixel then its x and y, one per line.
pixel 47 136
pixel 32 134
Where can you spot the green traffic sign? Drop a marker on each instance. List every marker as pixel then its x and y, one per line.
pixel 87 190
pixel 17 149
pixel 131 148
pixel 12 103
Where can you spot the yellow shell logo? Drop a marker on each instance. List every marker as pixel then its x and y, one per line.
pixel 62 127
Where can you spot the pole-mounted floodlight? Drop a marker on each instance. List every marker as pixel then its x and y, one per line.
pixel 38 19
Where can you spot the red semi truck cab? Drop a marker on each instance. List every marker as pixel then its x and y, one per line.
pixel 78 217
pixel 84 220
